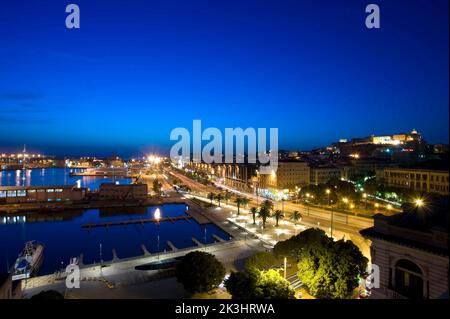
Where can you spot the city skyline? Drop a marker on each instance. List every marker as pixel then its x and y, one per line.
pixel 131 74
pixel 159 151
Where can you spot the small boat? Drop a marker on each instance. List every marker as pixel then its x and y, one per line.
pixel 29 261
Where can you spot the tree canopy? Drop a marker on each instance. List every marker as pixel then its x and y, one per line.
pixel 157 186
pixel 261 260
pixel 256 284
pixel 292 246
pixel 47 295
pixel 331 269
pixel 199 272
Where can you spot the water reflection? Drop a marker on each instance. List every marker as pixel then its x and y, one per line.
pixel 65 238
pixel 55 176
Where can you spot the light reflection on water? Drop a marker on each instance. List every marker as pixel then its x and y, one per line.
pixel 63 236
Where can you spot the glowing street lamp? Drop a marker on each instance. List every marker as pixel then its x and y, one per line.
pixel 157 216
pixel 418 202
pixel 328 191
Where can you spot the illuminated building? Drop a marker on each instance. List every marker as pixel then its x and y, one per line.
pixel 323 174
pixel 410 250
pixel 288 176
pixel 33 194
pixel 123 191
pixel 435 181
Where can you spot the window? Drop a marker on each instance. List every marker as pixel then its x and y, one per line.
pixel 58 190
pixel 2 194
pixel 12 193
pixel 21 193
pixel 50 190
pixel 408 279
pixel 31 191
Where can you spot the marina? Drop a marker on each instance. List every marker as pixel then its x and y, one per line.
pixel 99 233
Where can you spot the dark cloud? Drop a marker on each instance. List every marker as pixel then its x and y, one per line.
pixel 15 118
pixel 20 95
pixel 22 107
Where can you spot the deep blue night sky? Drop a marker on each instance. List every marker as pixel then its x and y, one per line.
pixel 137 69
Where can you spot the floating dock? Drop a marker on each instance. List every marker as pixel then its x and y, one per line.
pixel 137 221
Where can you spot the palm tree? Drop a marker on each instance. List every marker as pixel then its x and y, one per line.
pixel 227 196
pixel 254 211
pixel 296 216
pixel 157 186
pixel 278 214
pixel 211 196
pixel 267 204
pixel 238 202
pixel 219 198
pixel 264 213
pixel 245 201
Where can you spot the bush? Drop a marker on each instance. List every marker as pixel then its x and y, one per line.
pixel 255 284
pixel 47 295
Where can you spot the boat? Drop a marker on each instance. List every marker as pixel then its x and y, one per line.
pixel 29 261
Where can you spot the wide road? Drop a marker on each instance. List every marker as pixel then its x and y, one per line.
pixel 314 215
pixel 344 225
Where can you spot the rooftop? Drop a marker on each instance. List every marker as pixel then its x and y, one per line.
pixel 424 228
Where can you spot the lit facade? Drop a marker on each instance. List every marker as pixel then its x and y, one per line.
pixel 433 181
pixel 323 174
pixel 411 253
pixel 287 176
pixel 32 194
pixel 123 191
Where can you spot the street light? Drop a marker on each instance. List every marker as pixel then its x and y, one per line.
pixel 418 202
pixel 328 191
pixel 365 197
pixel 157 216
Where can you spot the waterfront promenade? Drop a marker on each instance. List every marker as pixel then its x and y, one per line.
pixel 119 278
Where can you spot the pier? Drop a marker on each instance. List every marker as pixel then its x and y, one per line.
pixel 137 221
pixel 195 241
pixel 171 246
